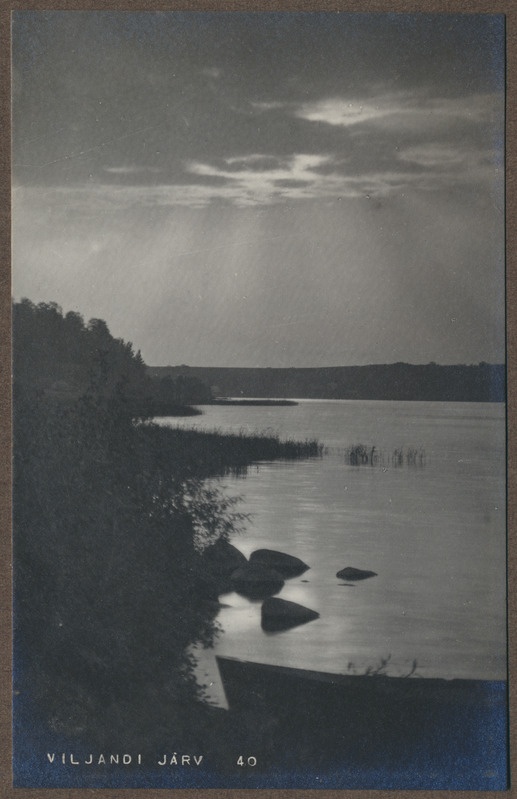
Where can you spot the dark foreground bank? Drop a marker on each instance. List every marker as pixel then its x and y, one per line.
pixel 287 728
pixel 112 517
pixel 371 720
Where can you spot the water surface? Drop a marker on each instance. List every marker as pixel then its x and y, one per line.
pixel 434 533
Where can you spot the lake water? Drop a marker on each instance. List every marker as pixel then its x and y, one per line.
pixel 434 532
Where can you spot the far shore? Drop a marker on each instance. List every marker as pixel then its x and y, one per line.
pixel 253 402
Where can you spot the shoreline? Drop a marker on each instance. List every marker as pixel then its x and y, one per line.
pixel 254 402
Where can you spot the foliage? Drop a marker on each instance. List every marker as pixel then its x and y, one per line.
pixel 168 392
pixel 107 539
pixel 63 357
pixel 107 550
pixel 204 453
pixel 111 517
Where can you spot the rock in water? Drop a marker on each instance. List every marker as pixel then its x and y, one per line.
pixel 355 574
pixel 286 565
pixel 256 582
pixel 217 562
pixel 279 614
pixel 223 558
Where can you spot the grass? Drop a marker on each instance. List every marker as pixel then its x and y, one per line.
pixel 215 453
pixel 381 669
pixel 366 455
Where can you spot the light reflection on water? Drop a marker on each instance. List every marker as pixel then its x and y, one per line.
pixel 435 535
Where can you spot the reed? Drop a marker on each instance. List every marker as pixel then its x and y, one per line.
pixel 217 453
pixel 368 455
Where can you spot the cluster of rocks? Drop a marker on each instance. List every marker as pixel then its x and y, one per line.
pixel 263 575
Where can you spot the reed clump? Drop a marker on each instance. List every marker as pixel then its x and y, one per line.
pixel 368 455
pixel 381 669
pixel 216 453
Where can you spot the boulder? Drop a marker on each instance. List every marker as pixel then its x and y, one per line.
pixel 256 582
pixel 349 573
pixel 216 564
pixel 286 565
pixel 222 558
pixel 279 614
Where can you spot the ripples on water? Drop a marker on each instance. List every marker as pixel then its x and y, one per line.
pixel 435 534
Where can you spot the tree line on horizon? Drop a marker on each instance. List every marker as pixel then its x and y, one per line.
pixel 482 382
pixel 55 353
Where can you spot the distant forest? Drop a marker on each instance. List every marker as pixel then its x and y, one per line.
pixel 482 382
pixel 56 353
pixel 59 354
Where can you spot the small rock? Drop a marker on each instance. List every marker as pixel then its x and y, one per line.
pixel 256 582
pixel 279 614
pixel 222 558
pixel 286 565
pixel 349 573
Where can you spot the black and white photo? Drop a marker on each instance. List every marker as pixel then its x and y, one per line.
pixel 259 506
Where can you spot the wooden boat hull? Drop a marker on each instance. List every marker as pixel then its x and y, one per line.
pixel 365 713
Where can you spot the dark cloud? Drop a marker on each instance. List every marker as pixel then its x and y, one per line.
pixel 286 183
pixel 103 90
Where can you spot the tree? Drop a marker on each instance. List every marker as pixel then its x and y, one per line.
pixel 107 541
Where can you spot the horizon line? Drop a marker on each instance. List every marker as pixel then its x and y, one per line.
pixel 335 366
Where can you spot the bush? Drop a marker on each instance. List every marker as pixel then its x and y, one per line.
pixel 111 517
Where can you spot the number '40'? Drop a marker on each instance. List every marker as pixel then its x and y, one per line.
pixel 249 761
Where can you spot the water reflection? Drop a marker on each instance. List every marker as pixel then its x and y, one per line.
pixel 435 536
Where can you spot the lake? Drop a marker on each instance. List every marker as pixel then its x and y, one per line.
pixel 433 529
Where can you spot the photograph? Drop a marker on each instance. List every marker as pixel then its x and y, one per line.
pixel 259 340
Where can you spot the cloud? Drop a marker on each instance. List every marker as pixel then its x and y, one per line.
pixel 378 168
pixel 257 162
pixel 449 164
pixel 403 111
pixel 269 106
pixel 260 169
pixel 339 111
pixel 129 170
pixel 434 155
pixel 265 180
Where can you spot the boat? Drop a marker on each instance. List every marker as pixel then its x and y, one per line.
pixel 247 682
pixel 364 710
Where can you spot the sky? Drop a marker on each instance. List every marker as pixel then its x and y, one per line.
pixel 265 189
